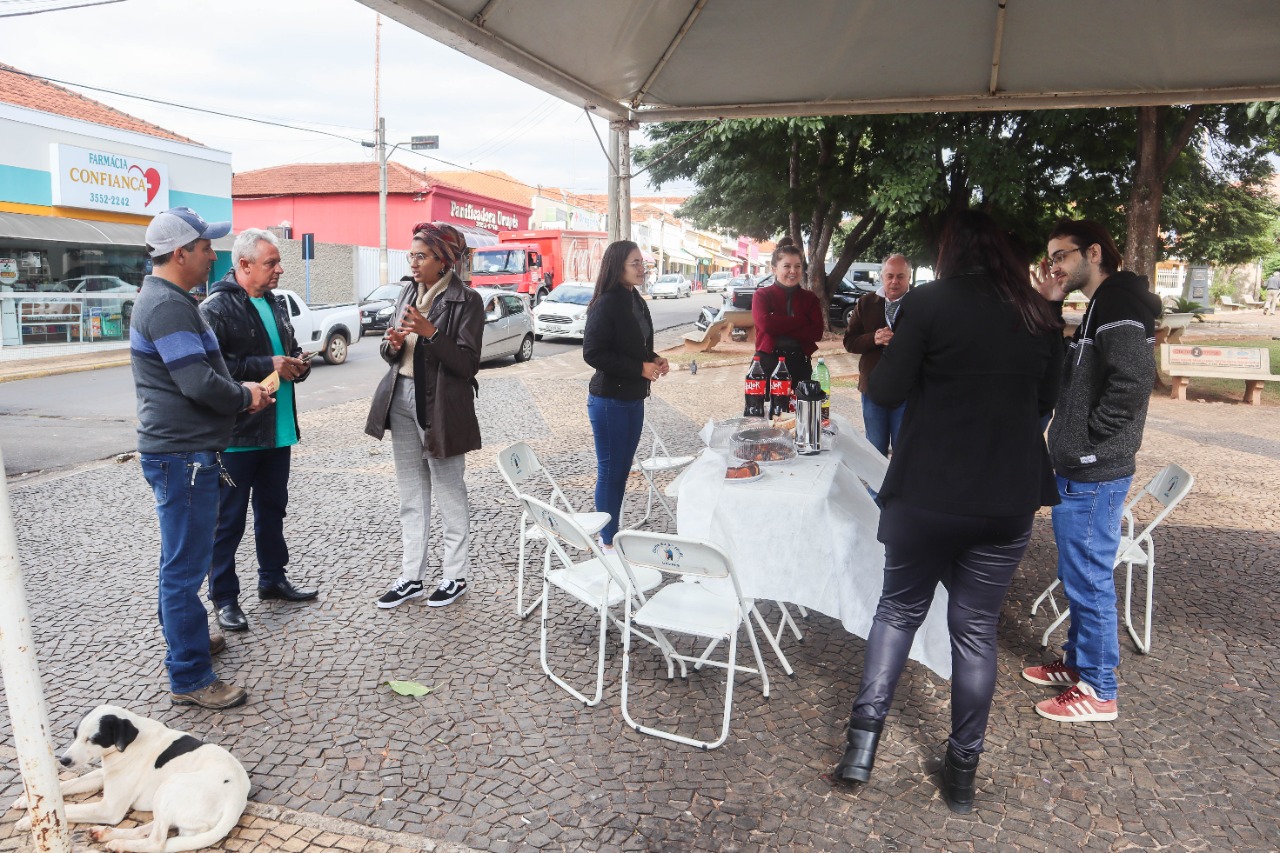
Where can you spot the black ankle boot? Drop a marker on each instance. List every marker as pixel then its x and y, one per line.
pixel 958 781
pixel 860 756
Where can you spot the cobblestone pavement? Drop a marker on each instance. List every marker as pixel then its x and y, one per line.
pixel 497 758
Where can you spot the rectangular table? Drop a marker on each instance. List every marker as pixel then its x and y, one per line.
pixel 805 534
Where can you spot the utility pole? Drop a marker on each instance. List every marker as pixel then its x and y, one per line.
pixel 382 200
pixel 624 176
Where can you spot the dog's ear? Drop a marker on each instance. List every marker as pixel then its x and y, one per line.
pixel 114 731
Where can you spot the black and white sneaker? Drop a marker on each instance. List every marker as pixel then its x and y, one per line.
pixel 446 592
pixel 400 593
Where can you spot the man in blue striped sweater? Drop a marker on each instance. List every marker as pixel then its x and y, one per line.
pixel 187 405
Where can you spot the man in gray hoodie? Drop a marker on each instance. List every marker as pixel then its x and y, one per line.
pixel 187 405
pixel 1093 439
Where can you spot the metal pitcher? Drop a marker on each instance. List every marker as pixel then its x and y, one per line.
pixel 809 397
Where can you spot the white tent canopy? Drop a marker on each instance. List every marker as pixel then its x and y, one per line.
pixel 660 60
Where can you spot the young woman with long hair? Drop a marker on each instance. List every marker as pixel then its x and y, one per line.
pixel 618 343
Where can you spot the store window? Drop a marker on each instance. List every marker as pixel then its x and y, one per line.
pixel 67 292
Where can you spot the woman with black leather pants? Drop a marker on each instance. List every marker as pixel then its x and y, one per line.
pixel 977 359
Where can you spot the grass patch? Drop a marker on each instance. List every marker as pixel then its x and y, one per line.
pixel 1232 390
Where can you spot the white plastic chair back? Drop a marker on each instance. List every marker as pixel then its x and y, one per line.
pixel 520 467
pixel 559 526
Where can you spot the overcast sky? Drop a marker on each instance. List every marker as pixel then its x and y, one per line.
pixel 310 63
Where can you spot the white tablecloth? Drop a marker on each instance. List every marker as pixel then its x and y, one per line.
pixel 805 533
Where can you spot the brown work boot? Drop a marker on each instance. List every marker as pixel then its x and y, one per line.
pixel 217 643
pixel 215 697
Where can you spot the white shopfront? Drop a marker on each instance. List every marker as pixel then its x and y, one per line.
pixel 75 199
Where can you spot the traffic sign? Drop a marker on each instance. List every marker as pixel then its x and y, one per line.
pixel 424 143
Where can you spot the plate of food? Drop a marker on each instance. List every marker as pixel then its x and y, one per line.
pixel 744 473
pixel 766 446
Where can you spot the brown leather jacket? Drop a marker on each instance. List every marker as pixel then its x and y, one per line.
pixel 444 373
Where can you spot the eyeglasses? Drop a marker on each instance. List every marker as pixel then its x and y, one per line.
pixel 637 264
pixel 1059 256
pixel 416 257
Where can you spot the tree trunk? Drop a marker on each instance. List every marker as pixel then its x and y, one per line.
pixel 1146 191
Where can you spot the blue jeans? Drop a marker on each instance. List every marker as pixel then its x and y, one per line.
pixel 186 491
pixel 616 426
pixel 261 477
pixel 1086 526
pixel 881 424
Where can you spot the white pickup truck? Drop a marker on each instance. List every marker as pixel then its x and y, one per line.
pixel 327 329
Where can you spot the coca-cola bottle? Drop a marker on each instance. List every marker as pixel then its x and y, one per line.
pixel 780 390
pixel 757 388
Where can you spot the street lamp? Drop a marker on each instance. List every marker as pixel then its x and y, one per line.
pixel 415 143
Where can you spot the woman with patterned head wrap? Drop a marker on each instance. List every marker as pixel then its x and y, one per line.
pixel 427 400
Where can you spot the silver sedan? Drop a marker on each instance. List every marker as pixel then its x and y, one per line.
pixel 508 326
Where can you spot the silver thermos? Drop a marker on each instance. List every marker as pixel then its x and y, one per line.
pixel 809 397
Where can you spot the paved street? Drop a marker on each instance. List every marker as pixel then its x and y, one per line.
pixel 497 758
pixel 59 421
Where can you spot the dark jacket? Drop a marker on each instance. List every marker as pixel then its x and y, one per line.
pixel 860 338
pixel 246 347
pixel 617 346
pixel 444 372
pixel 976 383
pixel 1106 383
pixel 804 323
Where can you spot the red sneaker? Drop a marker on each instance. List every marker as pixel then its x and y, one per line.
pixel 1078 704
pixel 1056 674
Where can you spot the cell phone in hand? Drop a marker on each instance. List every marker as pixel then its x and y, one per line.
pixel 307 356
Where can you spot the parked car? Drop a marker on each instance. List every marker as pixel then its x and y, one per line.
pixel 103 284
pixel 508 325
pixel 376 308
pixel 563 313
pixel 327 329
pixel 673 285
pixel 845 298
pixel 719 282
pixel 744 290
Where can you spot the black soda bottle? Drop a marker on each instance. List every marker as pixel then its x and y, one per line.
pixel 780 390
pixel 757 390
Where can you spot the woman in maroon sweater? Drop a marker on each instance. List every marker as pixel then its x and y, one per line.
pixel 788 318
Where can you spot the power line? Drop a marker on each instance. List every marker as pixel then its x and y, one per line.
pixel 204 110
pixel 58 8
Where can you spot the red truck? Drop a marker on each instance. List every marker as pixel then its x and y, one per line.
pixel 535 262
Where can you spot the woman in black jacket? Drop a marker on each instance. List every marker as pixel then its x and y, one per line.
pixel 618 343
pixel 977 358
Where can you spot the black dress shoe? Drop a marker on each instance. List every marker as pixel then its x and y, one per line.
pixel 863 736
pixel 232 618
pixel 286 591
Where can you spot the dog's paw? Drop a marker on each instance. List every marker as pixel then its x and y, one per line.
pixel 20 803
pixel 119 844
pixel 23 825
pixel 100 833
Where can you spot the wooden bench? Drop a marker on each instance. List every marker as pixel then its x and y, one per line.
pixel 1251 364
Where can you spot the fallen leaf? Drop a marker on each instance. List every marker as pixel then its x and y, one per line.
pixel 409 688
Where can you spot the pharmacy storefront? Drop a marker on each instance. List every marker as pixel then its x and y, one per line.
pixel 75 200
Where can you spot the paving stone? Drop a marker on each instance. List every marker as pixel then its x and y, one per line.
pixel 498 758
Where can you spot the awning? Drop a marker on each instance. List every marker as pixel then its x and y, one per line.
pixel 680 257
pixel 699 252
pixel 56 229
pixel 476 237
pixel 725 260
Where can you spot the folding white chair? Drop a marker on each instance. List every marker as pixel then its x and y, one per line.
pixel 658 461
pixel 601 581
pixel 520 467
pixel 1167 488
pixel 714 611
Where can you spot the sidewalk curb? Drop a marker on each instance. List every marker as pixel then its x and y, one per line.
pixel 37 370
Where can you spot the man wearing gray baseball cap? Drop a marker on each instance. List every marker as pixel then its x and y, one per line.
pixel 187 405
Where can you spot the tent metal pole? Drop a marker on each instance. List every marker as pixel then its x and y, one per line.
pixel 27 709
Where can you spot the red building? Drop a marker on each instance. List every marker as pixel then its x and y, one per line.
pixel 338 203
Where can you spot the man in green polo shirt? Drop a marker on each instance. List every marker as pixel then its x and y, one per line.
pixel 255 335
